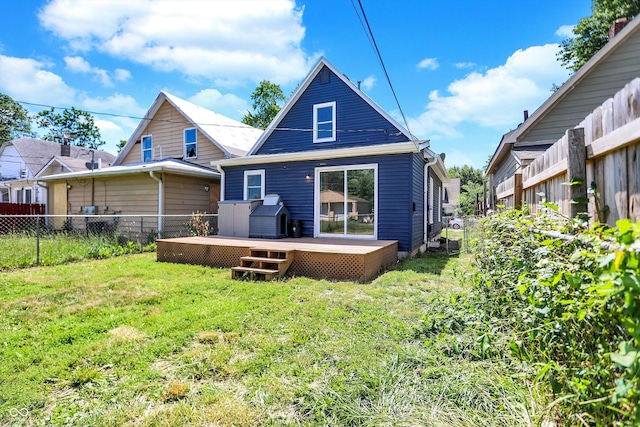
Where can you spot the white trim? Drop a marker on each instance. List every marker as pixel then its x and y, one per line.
pixel 335 153
pixel 248 173
pixel 317 204
pixel 317 107
pixel 184 143
pixel 142 149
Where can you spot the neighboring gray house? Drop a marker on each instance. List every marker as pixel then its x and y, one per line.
pixel 615 65
pixel 450 196
pixel 23 160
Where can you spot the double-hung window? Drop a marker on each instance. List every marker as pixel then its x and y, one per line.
pixel 324 122
pixel 190 143
pixel 147 148
pixel 254 184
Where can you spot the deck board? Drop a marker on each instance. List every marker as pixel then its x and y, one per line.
pixel 331 258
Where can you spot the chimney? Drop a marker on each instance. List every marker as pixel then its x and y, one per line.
pixel 65 150
pixel 617 27
pixel 526 115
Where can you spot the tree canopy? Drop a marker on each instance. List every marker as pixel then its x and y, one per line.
pixel 14 120
pixel 471 186
pixel 592 32
pixel 74 126
pixel 267 98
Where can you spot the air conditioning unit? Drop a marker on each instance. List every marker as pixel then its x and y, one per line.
pixel 90 210
pixel 23 173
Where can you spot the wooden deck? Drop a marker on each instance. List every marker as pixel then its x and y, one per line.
pixel 322 258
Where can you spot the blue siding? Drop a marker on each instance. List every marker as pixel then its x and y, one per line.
pixel 417 235
pixel 357 122
pixel 396 186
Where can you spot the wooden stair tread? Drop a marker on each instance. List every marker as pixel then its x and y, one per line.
pixel 263 259
pixel 255 270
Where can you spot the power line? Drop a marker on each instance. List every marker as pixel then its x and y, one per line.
pixel 153 119
pixel 372 40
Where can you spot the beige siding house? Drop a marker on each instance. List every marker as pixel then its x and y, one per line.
pixel 615 65
pixel 164 168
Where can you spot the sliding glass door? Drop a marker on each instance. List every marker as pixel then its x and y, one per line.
pixel 346 201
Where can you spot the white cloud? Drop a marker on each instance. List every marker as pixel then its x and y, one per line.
pixel 121 75
pixel 223 41
pixel 26 79
pixel 77 64
pixel 494 99
pixel 368 83
pixel 463 65
pixel 565 31
pixel 228 104
pixel 428 64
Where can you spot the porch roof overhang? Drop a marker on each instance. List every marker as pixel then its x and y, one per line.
pixel 163 166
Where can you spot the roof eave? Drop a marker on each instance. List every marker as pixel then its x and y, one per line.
pixel 368 150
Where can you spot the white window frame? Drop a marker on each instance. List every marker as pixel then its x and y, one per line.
pixel 249 173
pixel 143 150
pixel 316 200
pixel 317 107
pixel 195 143
pixel 432 199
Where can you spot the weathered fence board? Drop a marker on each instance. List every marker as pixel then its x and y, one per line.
pixel 612 144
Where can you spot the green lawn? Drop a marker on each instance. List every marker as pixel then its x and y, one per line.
pixel 130 341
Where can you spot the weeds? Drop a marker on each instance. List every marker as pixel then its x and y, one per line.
pixel 572 306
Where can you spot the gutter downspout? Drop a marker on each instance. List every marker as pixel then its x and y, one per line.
pixel 46 187
pixel 222 181
pixel 425 238
pixel 160 201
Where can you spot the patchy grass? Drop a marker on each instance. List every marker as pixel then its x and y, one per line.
pixel 20 250
pixel 130 341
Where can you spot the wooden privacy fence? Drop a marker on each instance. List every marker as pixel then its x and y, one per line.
pixel 22 209
pixel 601 156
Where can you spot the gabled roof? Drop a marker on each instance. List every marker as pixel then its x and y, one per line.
pixel 322 62
pixel 510 138
pixel 36 153
pixel 232 137
pixel 173 166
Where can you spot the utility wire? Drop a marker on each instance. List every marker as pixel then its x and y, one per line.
pixel 95 113
pixel 384 68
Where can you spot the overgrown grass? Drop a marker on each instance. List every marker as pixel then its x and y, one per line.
pixel 129 341
pixel 20 250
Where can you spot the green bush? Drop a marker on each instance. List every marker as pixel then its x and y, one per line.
pixel 570 297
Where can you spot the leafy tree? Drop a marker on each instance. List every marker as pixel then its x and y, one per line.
pixel 267 98
pixel 592 32
pixel 471 187
pixel 120 145
pixel 75 126
pixel 14 120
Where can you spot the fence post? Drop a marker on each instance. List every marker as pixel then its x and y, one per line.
pixel 577 156
pixel 517 191
pixel 38 240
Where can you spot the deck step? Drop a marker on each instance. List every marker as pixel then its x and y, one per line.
pixel 263 259
pixel 263 264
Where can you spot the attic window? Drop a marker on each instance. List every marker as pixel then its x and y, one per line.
pixel 190 143
pixel 324 122
pixel 147 148
pixel 325 76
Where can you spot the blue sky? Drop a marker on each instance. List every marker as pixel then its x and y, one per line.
pixel 463 70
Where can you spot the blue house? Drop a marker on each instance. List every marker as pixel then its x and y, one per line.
pixel 343 167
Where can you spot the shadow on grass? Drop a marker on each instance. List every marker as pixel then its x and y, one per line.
pixel 432 261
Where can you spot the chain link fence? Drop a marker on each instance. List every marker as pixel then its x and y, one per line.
pixel 26 232
pixel 463 230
